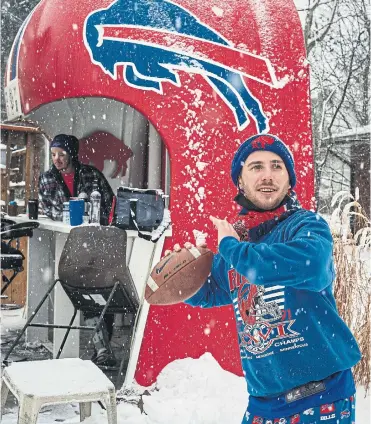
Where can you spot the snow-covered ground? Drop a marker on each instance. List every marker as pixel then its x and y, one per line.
pixel 188 391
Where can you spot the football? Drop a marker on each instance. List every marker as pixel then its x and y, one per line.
pixel 178 276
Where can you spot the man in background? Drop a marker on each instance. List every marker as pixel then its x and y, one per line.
pixel 68 178
pixel 65 179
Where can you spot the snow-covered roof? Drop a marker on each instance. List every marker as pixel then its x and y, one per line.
pixel 353 132
pixel 18 184
pixel 21 126
pixel 23 149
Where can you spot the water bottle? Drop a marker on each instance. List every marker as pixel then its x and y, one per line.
pixel 66 213
pixel 87 207
pixel 95 199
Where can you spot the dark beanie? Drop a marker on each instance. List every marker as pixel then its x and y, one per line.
pixel 267 142
pixel 69 143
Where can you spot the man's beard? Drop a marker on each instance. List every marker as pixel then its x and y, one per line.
pixel 67 166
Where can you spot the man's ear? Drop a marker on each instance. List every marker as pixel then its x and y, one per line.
pixel 240 184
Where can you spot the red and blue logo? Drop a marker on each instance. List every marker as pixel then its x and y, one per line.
pixel 154 40
pixel 328 408
pixel 345 414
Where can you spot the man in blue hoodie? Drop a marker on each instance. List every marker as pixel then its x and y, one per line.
pixel 275 266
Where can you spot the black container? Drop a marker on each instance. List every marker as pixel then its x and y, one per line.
pixel 147 206
pixel 33 208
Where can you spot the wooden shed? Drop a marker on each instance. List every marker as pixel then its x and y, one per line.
pixel 347 168
pixel 24 158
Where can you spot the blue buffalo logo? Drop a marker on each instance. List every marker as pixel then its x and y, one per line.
pixel 154 39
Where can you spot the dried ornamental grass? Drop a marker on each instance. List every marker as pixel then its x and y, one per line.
pixel 363 336
pixel 352 284
pixel 353 299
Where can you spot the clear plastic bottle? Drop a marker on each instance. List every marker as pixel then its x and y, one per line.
pixel 87 207
pixel 95 200
pixel 66 213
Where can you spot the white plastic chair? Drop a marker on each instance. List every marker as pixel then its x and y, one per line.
pixel 39 383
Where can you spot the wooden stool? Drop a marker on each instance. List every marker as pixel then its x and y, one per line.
pixel 39 383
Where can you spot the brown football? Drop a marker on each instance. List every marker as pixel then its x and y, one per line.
pixel 178 276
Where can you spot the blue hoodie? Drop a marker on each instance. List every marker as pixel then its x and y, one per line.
pixel 289 330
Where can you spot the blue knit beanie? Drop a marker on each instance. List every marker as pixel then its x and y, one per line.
pixel 267 142
pixel 69 143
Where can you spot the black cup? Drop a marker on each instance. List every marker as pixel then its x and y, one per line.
pixel 33 208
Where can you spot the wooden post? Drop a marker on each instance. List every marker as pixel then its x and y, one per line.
pixel 29 162
pixel 6 175
pixel 37 146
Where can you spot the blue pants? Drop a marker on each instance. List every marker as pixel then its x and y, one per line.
pixel 340 412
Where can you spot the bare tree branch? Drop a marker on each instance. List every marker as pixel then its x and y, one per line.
pixel 319 38
pixel 345 86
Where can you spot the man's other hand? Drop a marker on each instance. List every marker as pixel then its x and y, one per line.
pixel 225 229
